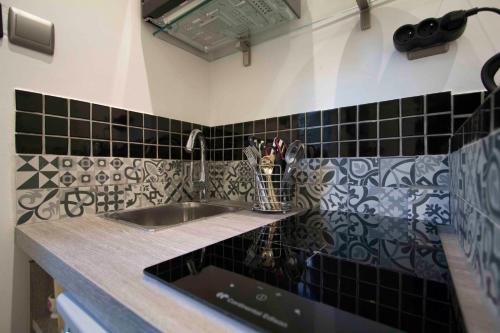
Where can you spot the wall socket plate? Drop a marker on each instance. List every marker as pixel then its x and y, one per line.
pixel 30 31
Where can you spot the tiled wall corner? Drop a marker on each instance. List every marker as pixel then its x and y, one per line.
pixel 475 194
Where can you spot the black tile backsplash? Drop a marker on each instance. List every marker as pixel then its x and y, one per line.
pixel 29 144
pixel 402 127
pixel 389 109
pixel 477 125
pixel 56 145
pixel 56 126
pixel 412 106
pixel 119 116
pixel 79 109
pixel 348 114
pixel 79 128
pixel 29 101
pixel 29 123
pixel 100 112
pixel 57 106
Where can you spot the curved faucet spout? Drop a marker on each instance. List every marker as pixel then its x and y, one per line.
pixel 198 134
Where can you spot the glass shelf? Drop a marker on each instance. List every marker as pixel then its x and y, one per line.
pixel 206 31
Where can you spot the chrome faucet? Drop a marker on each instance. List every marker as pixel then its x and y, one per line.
pixel 201 183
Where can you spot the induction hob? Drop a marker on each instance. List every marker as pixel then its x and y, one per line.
pixel 322 271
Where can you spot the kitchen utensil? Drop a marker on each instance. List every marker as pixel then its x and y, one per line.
pixel 267 166
pixel 253 158
pixel 294 153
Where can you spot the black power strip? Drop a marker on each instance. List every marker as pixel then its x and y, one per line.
pixel 435 31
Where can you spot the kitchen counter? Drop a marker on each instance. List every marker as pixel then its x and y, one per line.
pixel 101 263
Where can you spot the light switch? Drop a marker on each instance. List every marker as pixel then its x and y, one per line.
pixel 31 31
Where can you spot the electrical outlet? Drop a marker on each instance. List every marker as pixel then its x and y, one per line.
pixel 428 33
pixel 427 27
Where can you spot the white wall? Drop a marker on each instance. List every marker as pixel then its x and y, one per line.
pixel 331 65
pixel 104 53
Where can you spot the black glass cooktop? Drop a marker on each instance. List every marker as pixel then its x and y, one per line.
pixel 323 271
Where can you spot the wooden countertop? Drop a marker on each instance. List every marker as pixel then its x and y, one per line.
pixel 101 263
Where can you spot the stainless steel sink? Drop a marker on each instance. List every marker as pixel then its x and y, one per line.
pixel 154 218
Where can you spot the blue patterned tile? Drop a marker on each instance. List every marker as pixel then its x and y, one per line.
pixel 429 205
pixel 334 197
pixel 490 259
pixel 335 171
pixel 432 170
pixel 397 172
pixel 363 199
pixel 490 182
pixel 364 172
pixel 393 202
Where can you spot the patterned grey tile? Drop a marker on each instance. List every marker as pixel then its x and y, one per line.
pixel 363 199
pixel 335 171
pixel 37 205
pixel 429 205
pixel 432 170
pixel 76 171
pixel 110 198
pixel 397 172
pixel 117 166
pixel 174 192
pixel 37 171
pixel 364 172
pixel 334 197
pixel 102 177
pixel 176 171
pixel 217 170
pixel 393 202
pixel 133 196
pixel 101 163
pixel 155 171
pixel 67 163
pixel 76 202
pixel 246 190
pixel 153 194
pixel 133 170
pixel 309 195
pixel 309 171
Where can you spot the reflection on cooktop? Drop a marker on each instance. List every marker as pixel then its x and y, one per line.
pixel 388 270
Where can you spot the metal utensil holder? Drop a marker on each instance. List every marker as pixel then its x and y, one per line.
pixel 272 194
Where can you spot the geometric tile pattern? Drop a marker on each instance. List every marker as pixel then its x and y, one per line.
pixel 110 198
pixel 37 171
